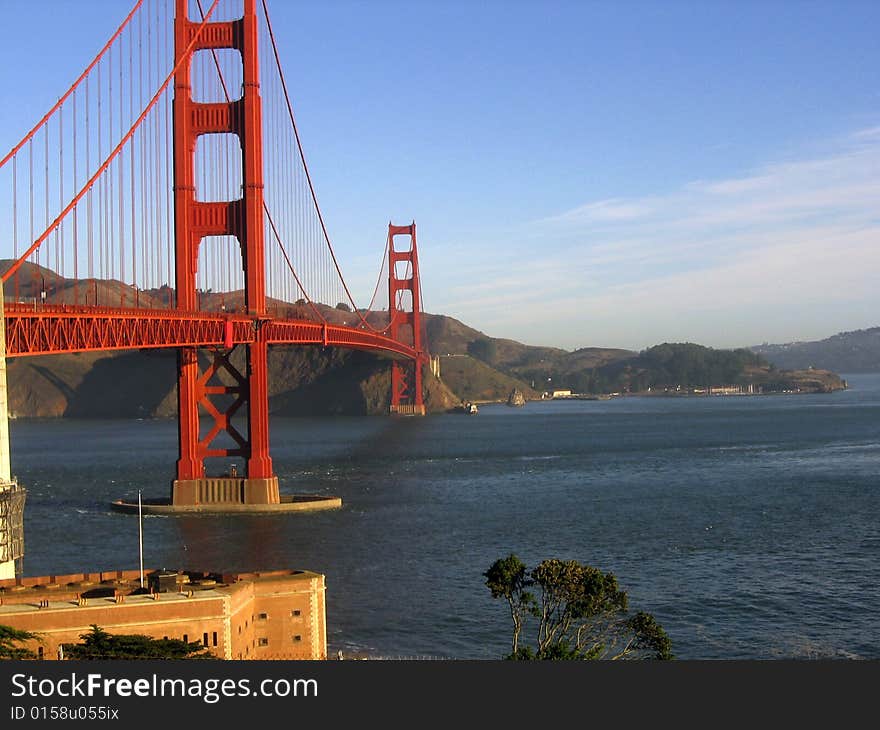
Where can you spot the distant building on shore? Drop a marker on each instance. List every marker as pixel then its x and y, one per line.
pixel 267 615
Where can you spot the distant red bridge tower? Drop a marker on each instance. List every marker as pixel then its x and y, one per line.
pixel 404 308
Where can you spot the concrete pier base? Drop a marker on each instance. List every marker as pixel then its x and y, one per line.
pixel 224 490
pixel 407 409
pixel 288 503
pixel 228 495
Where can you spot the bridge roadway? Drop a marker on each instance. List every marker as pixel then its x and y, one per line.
pixel 50 329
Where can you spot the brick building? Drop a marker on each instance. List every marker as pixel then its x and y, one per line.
pixel 266 615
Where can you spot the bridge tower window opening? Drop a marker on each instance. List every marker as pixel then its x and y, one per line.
pixel 220 275
pixel 217 76
pixel 402 242
pixel 225 11
pixel 218 167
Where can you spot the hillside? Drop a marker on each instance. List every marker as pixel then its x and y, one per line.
pixel 846 352
pixel 473 380
pixel 325 381
pixel 530 368
pixel 302 381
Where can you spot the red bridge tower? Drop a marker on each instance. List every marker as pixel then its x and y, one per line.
pixel 403 279
pixel 243 219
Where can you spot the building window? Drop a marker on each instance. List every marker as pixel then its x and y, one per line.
pixel 295 612
pixel 297 638
pixel 262 616
pixel 264 642
pixel 205 639
pixel 39 652
pixel 214 639
pixel 186 638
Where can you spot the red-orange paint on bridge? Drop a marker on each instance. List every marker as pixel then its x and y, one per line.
pixel 157 210
pixel 48 330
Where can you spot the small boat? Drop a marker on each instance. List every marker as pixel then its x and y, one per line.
pixel 468 408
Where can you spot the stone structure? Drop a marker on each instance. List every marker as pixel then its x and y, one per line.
pixel 267 615
pixel 12 495
pixel 516 398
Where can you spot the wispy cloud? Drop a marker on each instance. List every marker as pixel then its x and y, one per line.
pixel 790 251
pixel 605 210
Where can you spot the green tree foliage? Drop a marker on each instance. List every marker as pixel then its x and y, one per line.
pixel 98 644
pixel 690 365
pixel 581 612
pixel 9 640
pixel 343 307
pixel 507 578
pixel 483 349
pixel 668 365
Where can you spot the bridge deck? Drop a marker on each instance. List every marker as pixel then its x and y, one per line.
pixel 44 330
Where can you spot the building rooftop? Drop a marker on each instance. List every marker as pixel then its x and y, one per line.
pixel 124 587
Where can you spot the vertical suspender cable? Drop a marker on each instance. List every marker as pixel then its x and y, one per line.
pixel 46 200
pixel 169 218
pixel 59 259
pixel 141 143
pixel 75 210
pixel 121 184
pixel 100 242
pixel 89 199
pixel 111 198
pixel 31 188
pixel 132 152
pixel 15 218
pixel 152 131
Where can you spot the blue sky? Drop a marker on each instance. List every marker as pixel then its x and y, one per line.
pixel 581 173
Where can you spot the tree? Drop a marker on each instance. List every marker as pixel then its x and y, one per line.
pixel 10 637
pixel 343 307
pixel 507 578
pixel 98 644
pixel 581 612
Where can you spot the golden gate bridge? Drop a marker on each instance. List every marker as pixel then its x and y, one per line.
pixel 165 202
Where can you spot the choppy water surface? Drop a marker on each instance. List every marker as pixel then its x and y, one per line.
pixel 749 526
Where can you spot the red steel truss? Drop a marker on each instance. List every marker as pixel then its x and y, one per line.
pixel 53 330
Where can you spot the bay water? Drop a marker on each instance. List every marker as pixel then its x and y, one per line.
pixel 748 525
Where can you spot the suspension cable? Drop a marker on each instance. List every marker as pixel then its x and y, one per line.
pixel 88 186
pixel 76 83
